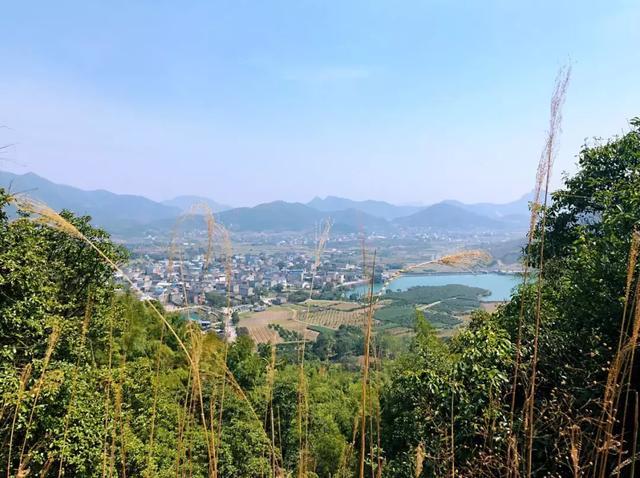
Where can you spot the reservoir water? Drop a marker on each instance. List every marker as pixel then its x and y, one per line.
pixel 500 285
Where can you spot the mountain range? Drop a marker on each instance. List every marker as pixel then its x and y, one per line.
pixel 446 216
pixel 126 215
pixel 374 208
pixel 109 210
pixel 192 203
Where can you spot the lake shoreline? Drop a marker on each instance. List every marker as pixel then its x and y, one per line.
pixel 499 285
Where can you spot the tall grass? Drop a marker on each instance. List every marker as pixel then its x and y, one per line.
pixel 303 401
pixel 365 368
pixel 546 167
pixel 620 373
pixel 42 214
pixel 537 221
pixel 51 344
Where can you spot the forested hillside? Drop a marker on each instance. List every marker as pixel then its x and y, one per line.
pixel 95 383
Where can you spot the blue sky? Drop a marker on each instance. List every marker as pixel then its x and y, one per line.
pixel 246 102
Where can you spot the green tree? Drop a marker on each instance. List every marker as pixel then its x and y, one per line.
pixel 324 346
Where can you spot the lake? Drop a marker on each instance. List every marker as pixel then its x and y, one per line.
pixel 500 285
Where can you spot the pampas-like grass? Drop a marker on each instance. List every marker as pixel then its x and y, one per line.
pixel 303 404
pixel 546 166
pixel 365 369
pixel 40 213
pixel 51 344
pixel 24 378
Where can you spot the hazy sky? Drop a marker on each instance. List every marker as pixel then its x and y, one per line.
pixel 245 102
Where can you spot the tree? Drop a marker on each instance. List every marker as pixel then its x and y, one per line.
pixel 349 340
pixel 437 383
pixel 216 299
pixel 324 346
pixel 47 278
pixel 247 367
pixel 298 296
pixel 587 238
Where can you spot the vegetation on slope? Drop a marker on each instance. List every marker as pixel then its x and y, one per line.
pixel 94 382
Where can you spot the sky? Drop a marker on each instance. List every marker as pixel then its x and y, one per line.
pixel 248 102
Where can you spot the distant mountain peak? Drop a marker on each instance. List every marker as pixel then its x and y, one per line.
pixel 131 214
pixel 518 208
pixel 448 216
pixel 186 202
pixel 379 209
pixel 109 210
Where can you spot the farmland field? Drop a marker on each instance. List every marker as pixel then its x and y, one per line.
pixel 257 323
pixel 446 308
pixel 322 314
pixel 333 314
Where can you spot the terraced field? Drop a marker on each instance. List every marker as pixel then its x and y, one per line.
pixel 333 314
pixel 257 323
pixel 327 314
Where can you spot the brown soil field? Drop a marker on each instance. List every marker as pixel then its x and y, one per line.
pixel 258 324
pixel 335 314
pixel 325 313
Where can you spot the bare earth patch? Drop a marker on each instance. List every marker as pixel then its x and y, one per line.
pixel 258 324
pixel 325 313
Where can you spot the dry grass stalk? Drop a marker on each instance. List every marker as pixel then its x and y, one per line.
pixel 546 166
pixel 420 456
pixel 271 375
pixel 365 368
pixel 196 354
pixel 542 178
pixel 453 443
pixel 303 405
pixel 119 421
pixel 461 259
pixel 634 250
pixel 576 446
pixel 513 462
pixel 379 419
pixel 624 333
pixel 195 339
pixel 74 381
pixel 182 425
pixel 154 406
pixel 51 344
pixel 107 401
pixel 42 214
pixel 636 421
pixel 24 378
pixel 619 376
pixel 228 270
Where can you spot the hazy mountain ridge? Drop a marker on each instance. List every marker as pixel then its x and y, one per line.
pixel 511 209
pixel 125 215
pixel 186 202
pixel 380 209
pixel 449 217
pixel 285 216
pixel 109 210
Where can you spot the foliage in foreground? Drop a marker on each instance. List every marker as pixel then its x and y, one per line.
pixel 93 384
